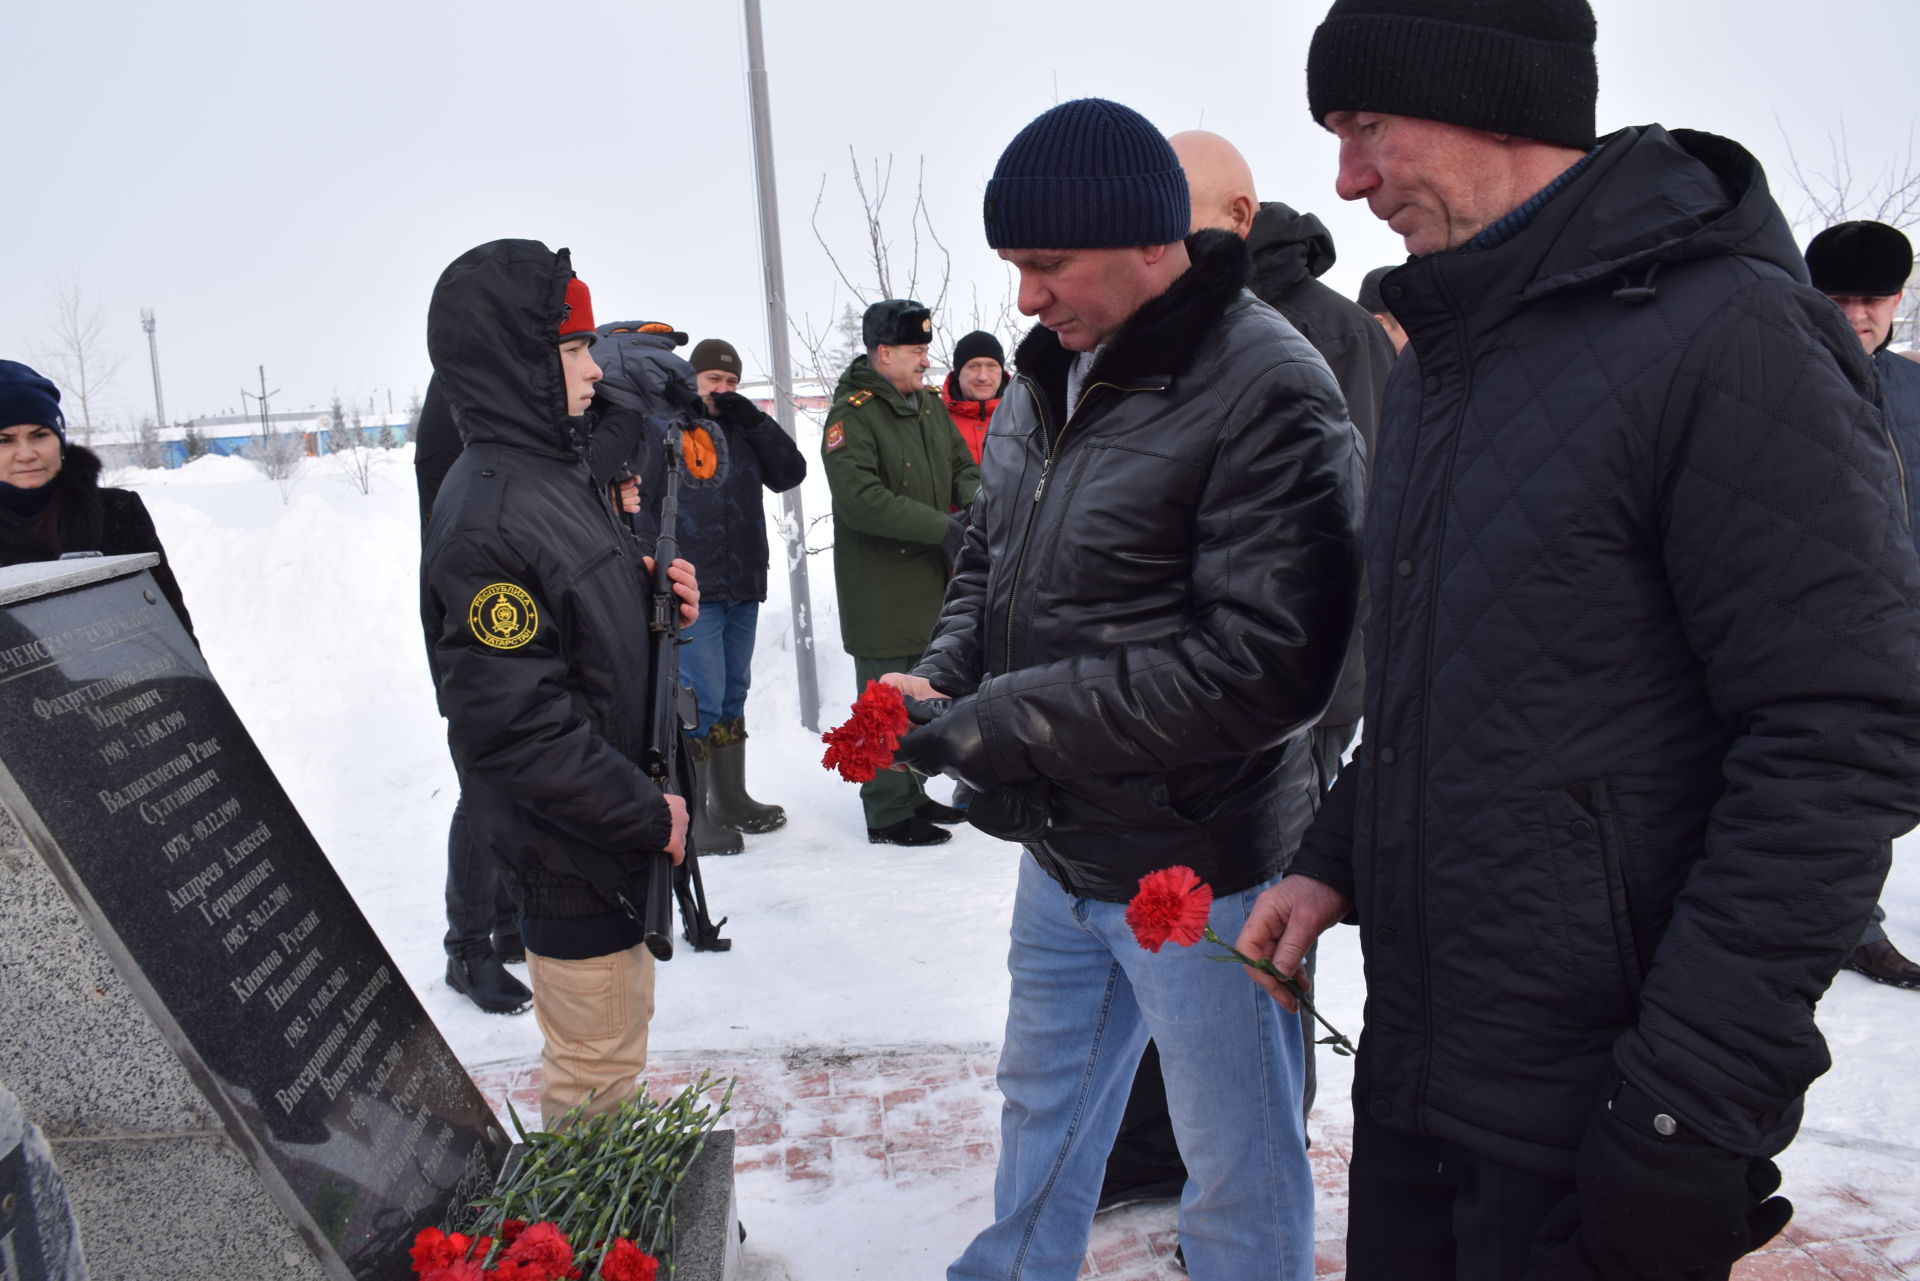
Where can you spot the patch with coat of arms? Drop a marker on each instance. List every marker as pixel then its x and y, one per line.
pixel 836 435
pixel 503 616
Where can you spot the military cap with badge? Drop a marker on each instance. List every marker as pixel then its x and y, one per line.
pixel 896 322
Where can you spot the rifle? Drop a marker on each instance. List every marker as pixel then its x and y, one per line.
pixel 665 759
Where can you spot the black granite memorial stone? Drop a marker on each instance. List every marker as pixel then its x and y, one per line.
pixel 133 778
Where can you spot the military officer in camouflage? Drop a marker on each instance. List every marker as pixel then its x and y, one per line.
pixel 901 477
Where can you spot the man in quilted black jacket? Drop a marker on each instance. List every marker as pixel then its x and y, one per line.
pixel 1641 706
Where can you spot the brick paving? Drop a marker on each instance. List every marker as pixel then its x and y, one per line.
pixel 913 1117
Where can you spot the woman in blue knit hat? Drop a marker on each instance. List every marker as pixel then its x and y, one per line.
pixel 51 499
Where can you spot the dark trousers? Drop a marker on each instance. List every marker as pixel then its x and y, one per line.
pixel 1424 1209
pixel 892 796
pixel 478 903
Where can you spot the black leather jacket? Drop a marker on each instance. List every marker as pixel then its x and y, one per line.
pixel 535 601
pixel 1156 592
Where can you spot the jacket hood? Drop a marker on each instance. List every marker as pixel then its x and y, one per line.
pixel 1287 248
pixel 1159 341
pixel 1648 200
pixel 491 333
pixel 1672 197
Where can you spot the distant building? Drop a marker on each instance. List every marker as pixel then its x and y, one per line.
pixel 230 434
pixel 808 396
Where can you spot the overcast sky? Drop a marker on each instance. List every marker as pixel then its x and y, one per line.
pixel 282 183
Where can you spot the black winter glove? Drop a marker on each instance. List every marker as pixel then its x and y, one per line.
pixel 946 736
pixel 1654 1206
pixel 731 409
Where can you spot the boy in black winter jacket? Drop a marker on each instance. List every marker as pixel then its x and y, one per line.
pixel 533 590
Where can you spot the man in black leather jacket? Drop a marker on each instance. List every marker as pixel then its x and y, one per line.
pixel 1150 611
pixel 536 598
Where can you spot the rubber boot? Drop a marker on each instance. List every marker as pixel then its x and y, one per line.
pixel 727 801
pixel 709 837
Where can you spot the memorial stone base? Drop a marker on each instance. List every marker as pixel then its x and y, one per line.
pixel 154 1180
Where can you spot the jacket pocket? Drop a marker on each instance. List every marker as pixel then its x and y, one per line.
pixel 592 563
pixel 1596 815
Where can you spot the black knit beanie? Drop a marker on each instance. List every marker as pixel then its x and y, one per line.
pixel 975 345
pixel 1088 174
pixel 26 396
pixel 1522 67
pixel 1860 260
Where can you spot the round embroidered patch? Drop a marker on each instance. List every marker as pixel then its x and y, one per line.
pixel 503 616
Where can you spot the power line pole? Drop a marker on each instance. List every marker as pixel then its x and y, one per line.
pixel 775 271
pixel 266 427
pixel 153 357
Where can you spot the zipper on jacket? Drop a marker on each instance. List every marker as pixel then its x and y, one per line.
pixel 1900 465
pixel 1046 470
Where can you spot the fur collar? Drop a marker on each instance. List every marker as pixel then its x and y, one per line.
pixel 1163 338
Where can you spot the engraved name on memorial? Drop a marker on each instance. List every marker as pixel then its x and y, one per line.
pixel 133 777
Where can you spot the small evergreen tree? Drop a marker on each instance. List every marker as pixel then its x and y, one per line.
pixel 413 418
pixel 195 443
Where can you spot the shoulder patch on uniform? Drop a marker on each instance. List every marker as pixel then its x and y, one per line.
pixel 859 398
pixel 837 434
pixel 503 616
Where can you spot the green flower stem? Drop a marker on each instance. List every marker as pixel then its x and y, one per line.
pixel 603 1177
pixel 1340 1044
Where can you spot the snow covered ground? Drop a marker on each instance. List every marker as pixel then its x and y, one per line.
pixel 307 612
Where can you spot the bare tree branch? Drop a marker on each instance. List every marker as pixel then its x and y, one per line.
pixel 78 359
pixel 1837 194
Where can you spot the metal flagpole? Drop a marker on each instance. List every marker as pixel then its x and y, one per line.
pixel 796 523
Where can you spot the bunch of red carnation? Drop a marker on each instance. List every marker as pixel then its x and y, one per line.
pixel 865 745
pixel 539 1252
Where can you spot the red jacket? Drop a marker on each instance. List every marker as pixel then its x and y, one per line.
pixel 970 416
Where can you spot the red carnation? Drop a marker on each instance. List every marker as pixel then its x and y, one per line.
pixel 433 1248
pixel 458 1270
pixel 867 742
pixel 510 1230
pixel 539 1253
pixel 628 1262
pixel 1171 907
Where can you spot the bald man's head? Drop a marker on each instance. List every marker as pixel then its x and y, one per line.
pixel 1219 181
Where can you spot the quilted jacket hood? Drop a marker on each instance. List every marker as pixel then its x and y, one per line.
pixel 1287 248
pixel 491 330
pixel 1709 198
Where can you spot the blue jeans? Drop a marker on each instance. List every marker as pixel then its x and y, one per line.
pixel 1085 999
pixel 716 662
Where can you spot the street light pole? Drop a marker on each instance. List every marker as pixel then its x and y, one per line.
pixel 153 357
pixel 795 530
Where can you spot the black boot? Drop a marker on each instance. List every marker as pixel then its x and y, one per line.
pixel 508 947
pixel 913 830
pixel 709 837
pixel 479 976
pixel 1881 961
pixel 727 799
